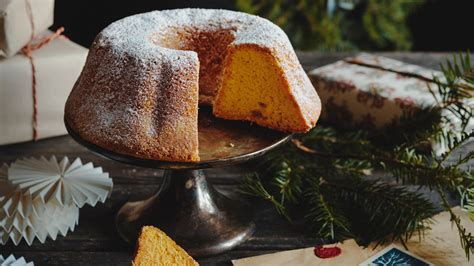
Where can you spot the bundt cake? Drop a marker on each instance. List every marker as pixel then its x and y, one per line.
pixel 155 248
pixel 145 76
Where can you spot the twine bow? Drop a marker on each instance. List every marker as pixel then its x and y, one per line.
pixel 27 51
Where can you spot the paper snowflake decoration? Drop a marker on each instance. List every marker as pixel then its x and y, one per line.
pixel 40 198
pixel 22 217
pixel 12 261
pixel 61 181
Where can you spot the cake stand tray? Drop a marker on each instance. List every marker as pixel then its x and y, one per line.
pixel 198 217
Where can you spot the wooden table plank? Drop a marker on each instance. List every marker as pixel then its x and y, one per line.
pixel 95 241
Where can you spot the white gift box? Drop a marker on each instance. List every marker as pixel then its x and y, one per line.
pixel 58 65
pixel 16 25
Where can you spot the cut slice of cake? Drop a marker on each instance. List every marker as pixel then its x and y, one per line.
pixel 155 248
pixel 259 87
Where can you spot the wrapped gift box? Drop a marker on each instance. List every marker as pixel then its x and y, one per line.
pixel 18 20
pixel 58 65
pixel 369 91
pixel 372 92
pixel 17 23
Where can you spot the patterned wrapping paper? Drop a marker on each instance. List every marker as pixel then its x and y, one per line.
pixel 355 94
pixel 372 92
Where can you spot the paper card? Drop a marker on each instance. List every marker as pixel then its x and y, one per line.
pixel 15 23
pixel 393 256
pixel 350 254
pixel 441 245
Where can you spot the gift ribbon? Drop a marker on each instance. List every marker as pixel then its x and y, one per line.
pixel 355 61
pixel 27 51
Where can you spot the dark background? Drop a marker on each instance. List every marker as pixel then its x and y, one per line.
pixel 438 25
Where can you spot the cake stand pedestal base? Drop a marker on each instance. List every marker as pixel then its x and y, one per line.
pixel 186 207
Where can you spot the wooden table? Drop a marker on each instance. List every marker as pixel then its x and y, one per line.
pixel 95 240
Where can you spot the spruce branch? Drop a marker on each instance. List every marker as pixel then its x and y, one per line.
pixel 326 219
pixel 253 186
pixel 391 212
pixel 466 238
pixel 288 180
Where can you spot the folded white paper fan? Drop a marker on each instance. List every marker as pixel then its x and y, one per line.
pixel 12 261
pixel 21 217
pixel 40 198
pixel 62 182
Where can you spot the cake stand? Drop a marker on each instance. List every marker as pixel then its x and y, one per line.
pixel 189 209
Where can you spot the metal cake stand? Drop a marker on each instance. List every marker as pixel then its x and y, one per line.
pixel 190 210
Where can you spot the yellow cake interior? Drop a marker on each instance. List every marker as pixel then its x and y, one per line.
pixel 155 248
pixel 254 89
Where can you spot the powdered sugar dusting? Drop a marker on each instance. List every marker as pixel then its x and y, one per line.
pixel 133 35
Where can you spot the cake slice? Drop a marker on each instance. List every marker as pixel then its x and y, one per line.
pixel 156 248
pixel 267 88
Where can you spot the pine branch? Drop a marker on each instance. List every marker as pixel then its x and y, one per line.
pixel 288 180
pixel 390 211
pixel 253 186
pixel 326 219
pixel 406 165
pixel 467 239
